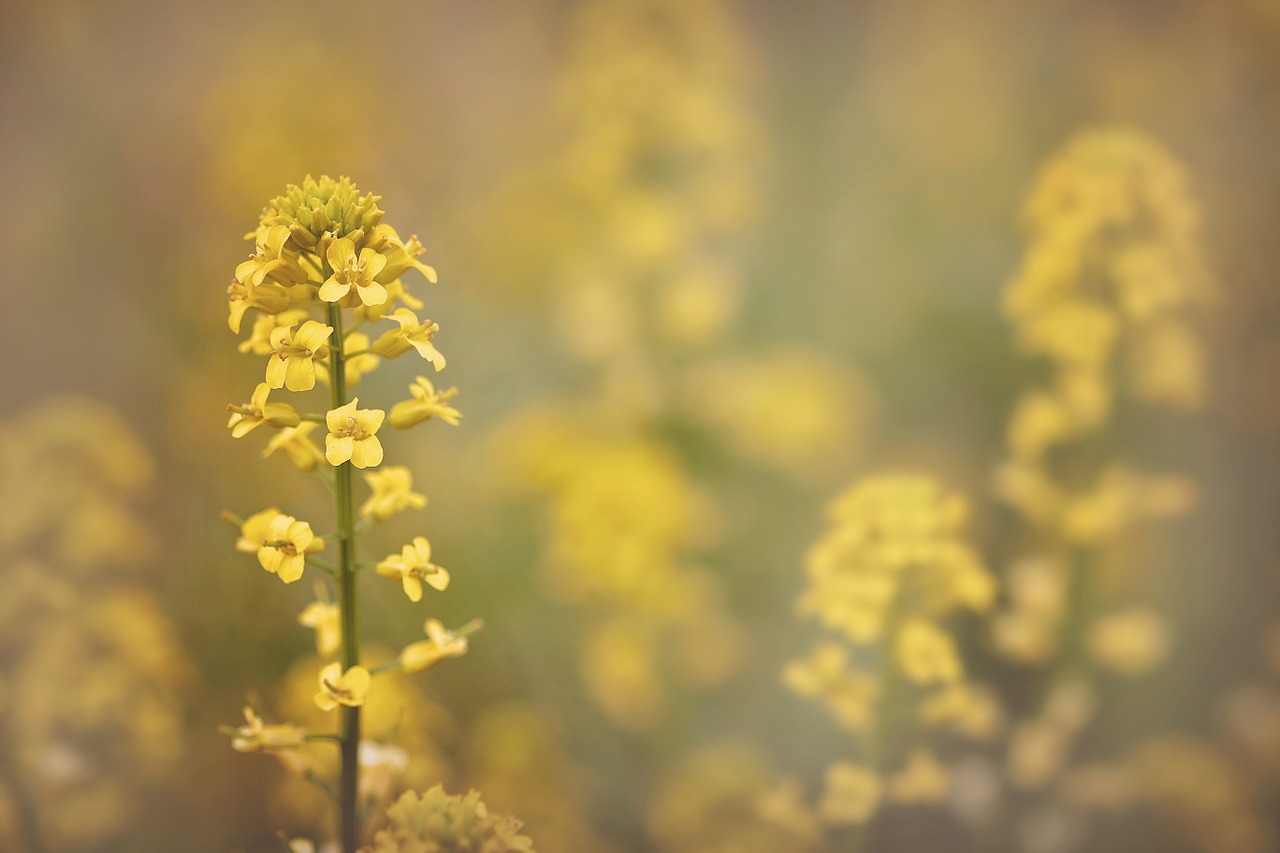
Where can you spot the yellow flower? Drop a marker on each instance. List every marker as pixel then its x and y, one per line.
pixel 851 794
pixel 323 617
pixel 352 435
pixel 392 493
pixel 925 653
pixel 259 340
pixel 292 363
pixel 424 654
pixel 1129 641
pixel 256 736
pixel 267 298
pixel 412 567
pixel 922 781
pixel 245 419
pixel 411 335
pixel 353 271
pixel 342 688
pixel 255 529
pixel 284 549
pixel 296 443
pixel 402 256
pixel 271 259
pixel 427 403
pixel 356 365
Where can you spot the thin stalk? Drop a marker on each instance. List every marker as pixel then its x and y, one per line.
pixel 349 818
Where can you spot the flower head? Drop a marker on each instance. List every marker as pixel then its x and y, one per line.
pixel 412 566
pixel 342 688
pixel 292 364
pixel 427 403
pixel 245 419
pixel 392 493
pixel 256 736
pixel 352 270
pixel 353 436
pixel 412 334
pixel 284 549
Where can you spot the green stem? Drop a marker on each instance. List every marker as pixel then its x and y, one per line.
pixel 347 604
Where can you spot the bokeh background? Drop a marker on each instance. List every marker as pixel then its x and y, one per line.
pixel 703 265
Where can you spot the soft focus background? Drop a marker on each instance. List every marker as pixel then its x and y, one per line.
pixel 702 266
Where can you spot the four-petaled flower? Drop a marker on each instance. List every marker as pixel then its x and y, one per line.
pixel 441 643
pixel 342 688
pixel 285 546
pixel 292 363
pixel 245 419
pixel 392 492
pixel 353 435
pixel 427 403
pixel 412 566
pixel 257 736
pixel 296 442
pixel 352 270
pixel 412 334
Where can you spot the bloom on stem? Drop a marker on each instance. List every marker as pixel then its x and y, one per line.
pixel 427 403
pixel 353 271
pixel 412 334
pixel 296 443
pixel 441 643
pixel 392 493
pixel 412 566
pixel 255 529
pixel 292 363
pixel 284 549
pixel 256 736
pixel 353 435
pixel 342 688
pixel 245 419
pixel 325 618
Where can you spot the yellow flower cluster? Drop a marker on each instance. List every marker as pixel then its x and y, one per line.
pixel 91 714
pixel 437 821
pixel 886 577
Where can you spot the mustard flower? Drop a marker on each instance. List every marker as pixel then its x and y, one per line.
pixel 292 364
pixel 270 259
pixel 295 441
pixel 284 549
pixel 441 643
pixel 412 566
pixel 392 493
pixel 255 529
pixel 427 403
pixel 256 736
pixel 342 688
pixel 324 618
pixel 267 298
pixel 353 271
pixel 412 334
pixel 927 654
pixel 851 795
pixel 353 435
pixel 245 419
pixel 401 255
pixel 259 340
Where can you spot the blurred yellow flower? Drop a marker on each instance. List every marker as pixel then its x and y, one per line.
pixel 413 566
pixel 392 492
pixel 926 654
pixel 297 444
pixel 342 688
pixel 922 781
pixel 256 736
pixel 427 403
pixel 1130 641
pixel 851 794
pixel 323 618
pixel 441 643
pixel 353 436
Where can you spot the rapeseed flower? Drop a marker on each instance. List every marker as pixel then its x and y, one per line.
pixel 412 335
pixel 284 548
pixel 347 688
pixel 353 271
pixel 293 356
pixel 427 403
pixel 353 436
pixel 392 493
pixel 413 566
pixel 245 419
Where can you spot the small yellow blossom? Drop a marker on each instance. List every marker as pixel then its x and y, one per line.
pixel 851 794
pixel 412 566
pixel 923 781
pixel 284 549
pixel 358 360
pixel 412 334
pixel 259 340
pixel 296 443
pixel 427 403
pixel 342 688
pixel 267 298
pixel 353 271
pixel 271 259
pixel 245 419
pixel 255 529
pixel 256 736
pixel 392 493
pixel 292 363
pixel 324 618
pixel 353 436
pixel 926 654
pixel 441 643
pixel 1130 641
pixel 402 256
